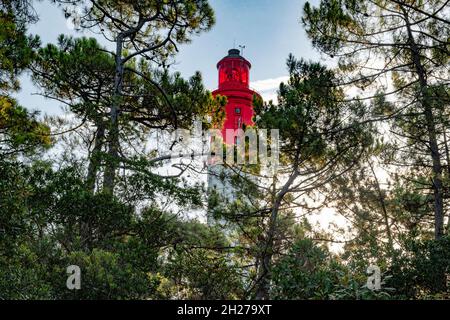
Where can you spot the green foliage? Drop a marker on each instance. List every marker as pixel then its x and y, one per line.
pixel 311 272
pixel 139 242
pixel 16 48
pixel 310 117
pixel 50 221
pixel 20 131
pixel 77 71
pixel 107 275
pixel 204 274
pixel 154 20
pixel 417 273
pixel 306 272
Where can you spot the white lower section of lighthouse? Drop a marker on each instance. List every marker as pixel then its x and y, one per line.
pixel 219 186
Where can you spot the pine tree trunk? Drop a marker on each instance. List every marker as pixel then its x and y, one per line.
pixel 431 128
pixel 434 148
pixel 113 139
pixel 382 201
pixel 263 285
pixel 262 289
pixel 94 160
pixel 447 156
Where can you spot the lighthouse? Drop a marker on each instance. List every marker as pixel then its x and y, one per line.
pixel 233 83
pixel 234 75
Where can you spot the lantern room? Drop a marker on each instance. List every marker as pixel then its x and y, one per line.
pixel 233 70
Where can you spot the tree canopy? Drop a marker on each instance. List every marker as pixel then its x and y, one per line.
pixel 364 137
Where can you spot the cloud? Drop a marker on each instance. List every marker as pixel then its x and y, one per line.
pixel 268 87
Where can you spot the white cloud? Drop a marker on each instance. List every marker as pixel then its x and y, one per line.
pixel 268 87
pixel 268 84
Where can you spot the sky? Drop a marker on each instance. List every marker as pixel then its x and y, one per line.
pixel 268 29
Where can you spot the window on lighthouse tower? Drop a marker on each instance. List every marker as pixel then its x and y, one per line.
pixel 233 75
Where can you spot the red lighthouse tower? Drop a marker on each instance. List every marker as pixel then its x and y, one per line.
pixel 234 72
